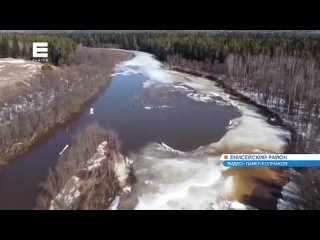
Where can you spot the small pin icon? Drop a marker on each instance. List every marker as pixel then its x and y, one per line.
pixel 225 157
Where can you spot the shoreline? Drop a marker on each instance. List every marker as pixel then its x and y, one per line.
pixel 234 94
pixel 19 149
pixel 292 144
pixel 29 145
pixel 102 165
pixel 259 201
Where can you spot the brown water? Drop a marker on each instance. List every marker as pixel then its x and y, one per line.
pixel 174 127
pixel 159 115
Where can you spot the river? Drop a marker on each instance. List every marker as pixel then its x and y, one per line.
pixel 174 126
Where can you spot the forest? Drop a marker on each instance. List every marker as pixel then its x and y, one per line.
pixel 200 46
pixel 280 71
pixel 275 70
pixel 53 97
pixel 20 46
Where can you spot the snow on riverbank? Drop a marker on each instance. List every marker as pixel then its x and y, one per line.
pixel 289 191
pixel 114 204
pixel 74 188
pixel 309 136
pixel 222 204
pixel 31 103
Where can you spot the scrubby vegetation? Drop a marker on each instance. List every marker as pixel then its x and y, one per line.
pixel 52 97
pixel 46 67
pixel 95 186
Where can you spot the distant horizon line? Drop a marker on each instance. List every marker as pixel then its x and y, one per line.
pixel 163 31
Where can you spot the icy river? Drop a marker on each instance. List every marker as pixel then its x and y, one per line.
pixel 174 126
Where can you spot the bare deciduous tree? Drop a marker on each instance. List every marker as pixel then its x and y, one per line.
pixel 100 184
pixel 55 96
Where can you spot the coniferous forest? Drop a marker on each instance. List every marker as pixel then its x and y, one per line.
pixel 278 71
pixel 282 68
pixel 20 46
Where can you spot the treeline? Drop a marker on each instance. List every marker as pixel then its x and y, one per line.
pixel 288 85
pixel 20 46
pixel 53 96
pixel 202 46
pixel 205 68
pixel 281 70
pixel 94 189
pixel 197 46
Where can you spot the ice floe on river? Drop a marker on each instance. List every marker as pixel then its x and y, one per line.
pixel 196 179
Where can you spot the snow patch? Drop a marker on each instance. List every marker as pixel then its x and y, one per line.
pixel 202 97
pixel 114 204
pixel 165 147
pixel 76 194
pixel 227 205
pixel 127 189
pixel 147 84
pixel 158 107
pixel 11 60
pixel 121 171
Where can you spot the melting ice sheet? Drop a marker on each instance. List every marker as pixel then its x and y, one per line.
pixel 170 179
